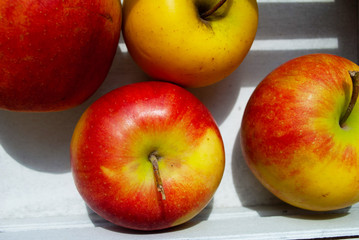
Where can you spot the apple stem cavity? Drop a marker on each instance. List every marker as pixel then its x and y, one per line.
pixel 154 158
pixel 212 10
pixel 355 80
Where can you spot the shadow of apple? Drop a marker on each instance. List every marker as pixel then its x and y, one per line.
pixel 41 141
pixel 98 221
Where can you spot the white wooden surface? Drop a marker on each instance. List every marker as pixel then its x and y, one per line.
pixel 39 200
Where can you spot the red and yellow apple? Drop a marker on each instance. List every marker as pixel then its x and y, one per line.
pixel 147 156
pixel 174 41
pixel 296 137
pixel 55 54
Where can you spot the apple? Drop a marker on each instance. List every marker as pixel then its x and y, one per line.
pixel 299 136
pixel 55 54
pixel 147 156
pixel 184 42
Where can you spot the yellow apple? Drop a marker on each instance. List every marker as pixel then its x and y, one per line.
pixel 170 40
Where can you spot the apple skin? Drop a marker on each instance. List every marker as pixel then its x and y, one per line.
pixel 170 41
pixel 291 138
pixel 111 145
pixel 55 54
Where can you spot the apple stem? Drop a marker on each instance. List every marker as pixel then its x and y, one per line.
pixel 153 157
pixel 212 10
pixel 355 80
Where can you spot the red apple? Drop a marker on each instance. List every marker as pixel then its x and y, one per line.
pixel 53 53
pixel 147 156
pixel 295 135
